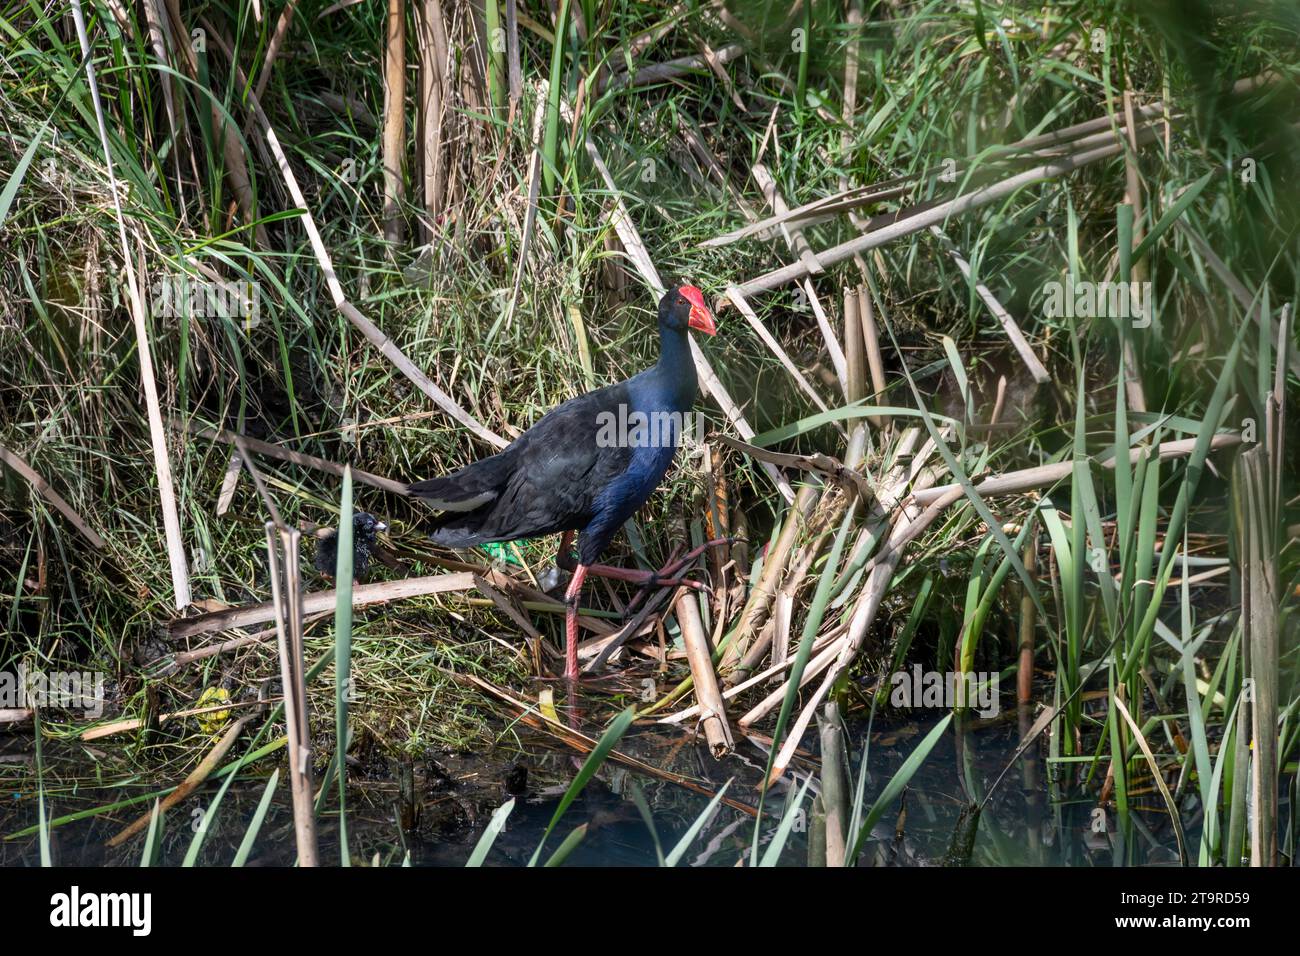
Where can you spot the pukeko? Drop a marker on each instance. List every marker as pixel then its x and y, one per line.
pixel 585 466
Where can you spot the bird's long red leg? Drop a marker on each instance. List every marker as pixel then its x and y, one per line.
pixel 571 597
pixel 664 576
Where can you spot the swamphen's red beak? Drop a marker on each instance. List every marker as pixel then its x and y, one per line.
pixel 701 319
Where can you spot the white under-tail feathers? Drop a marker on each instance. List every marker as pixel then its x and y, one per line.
pixel 466 489
pixel 465 504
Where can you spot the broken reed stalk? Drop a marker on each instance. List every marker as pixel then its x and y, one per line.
pixel 59 503
pixel 736 299
pixel 820 644
pixel 855 356
pixel 760 598
pixel 871 348
pixel 1026 479
pixel 180 573
pixel 817 833
pixel 824 656
pixel 1028 621
pixel 713 712
pixel 668 70
pixel 717 518
pixel 1257 508
pixel 889 493
pixel 1252 500
pixel 317 602
pixel 794 237
pixel 298 458
pixel 934 215
pixel 835 783
pixel 394 140
pixel 798 243
pixel 430 32
pixel 848 478
pixel 818 211
pixel 775 634
pixel 286 590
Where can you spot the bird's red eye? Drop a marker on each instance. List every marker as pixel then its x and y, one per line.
pixel 681 301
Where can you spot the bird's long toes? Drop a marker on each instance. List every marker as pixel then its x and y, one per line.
pixel 687 582
pixel 673 581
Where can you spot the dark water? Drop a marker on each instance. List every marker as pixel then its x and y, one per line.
pixel 431 809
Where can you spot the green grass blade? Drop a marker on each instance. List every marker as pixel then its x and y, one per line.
pixel 205 821
pixel 255 824
pixel 490 833
pixel 1171 215
pixel 149 856
pixel 896 784
pixel 608 740
pixel 568 846
pixel 551 133
pixel 772 855
pixel 10 192
pixel 647 815
pixel 678 851
pixel 42 822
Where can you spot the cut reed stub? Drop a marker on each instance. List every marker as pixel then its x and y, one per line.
pixel 713 716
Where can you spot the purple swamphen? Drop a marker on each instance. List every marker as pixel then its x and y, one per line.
pixel 585 466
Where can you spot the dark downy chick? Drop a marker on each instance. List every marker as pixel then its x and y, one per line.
pixel 364 529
